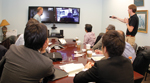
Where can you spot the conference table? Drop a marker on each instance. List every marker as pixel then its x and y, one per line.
pixel 68 57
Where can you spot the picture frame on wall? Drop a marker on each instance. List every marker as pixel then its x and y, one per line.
pixel 139 3
pixel 143 20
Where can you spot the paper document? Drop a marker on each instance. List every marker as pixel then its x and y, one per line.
pixel 78 55
pixel 72 68
pixel 97 57
pixel 94 54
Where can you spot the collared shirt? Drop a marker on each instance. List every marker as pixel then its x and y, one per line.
pixel 37 17
pixel 20 40
pixel 89 38
pixel 129 51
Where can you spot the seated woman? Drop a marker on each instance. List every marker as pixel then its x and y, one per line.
pixel 114 69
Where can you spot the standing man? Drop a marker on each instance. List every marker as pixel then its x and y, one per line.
pixel 39 13
pixel 131 23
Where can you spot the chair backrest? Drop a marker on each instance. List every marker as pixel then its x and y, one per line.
pixel 135 47
pixel 142 59
pixel 8 41
pixel 99 37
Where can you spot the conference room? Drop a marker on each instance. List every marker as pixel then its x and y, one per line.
pixel 73 41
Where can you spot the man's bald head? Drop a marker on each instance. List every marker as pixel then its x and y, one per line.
pixel 121 32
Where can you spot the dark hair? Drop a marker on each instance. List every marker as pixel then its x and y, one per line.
pixel 114 43
pixel 88 27
pixel 35 35
pixel 39 8
pixel 32 21
pixel 133 7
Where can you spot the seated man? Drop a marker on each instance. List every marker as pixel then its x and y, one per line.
pixel 114 69
pixel 27 63
pixel 89 37
pixel 3 50
pixel 128 51
pixel 98 45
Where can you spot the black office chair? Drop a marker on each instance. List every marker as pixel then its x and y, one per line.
pixel 8 41
pixel 148 71
pixel 99 37
pixel 141 61
pixel 135 47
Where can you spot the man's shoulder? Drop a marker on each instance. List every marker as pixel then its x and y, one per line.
pixel 113 59
pixel 135 17
pixel 36 16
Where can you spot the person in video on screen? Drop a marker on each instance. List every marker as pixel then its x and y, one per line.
pixel 131 23
pixel 115 68
pixel 89 37
pixel 39 13
pixel 68 18
pixel 28 63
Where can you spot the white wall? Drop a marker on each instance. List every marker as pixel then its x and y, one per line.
pixel 119 8
pixel 16 13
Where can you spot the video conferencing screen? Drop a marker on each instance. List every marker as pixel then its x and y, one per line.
pixel 57 14
pixel 46 17
pixel 67 15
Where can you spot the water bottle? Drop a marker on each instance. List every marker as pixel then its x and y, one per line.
pixel 130 57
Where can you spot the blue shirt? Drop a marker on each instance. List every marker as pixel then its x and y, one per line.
pixel 129 51
pixel 37 17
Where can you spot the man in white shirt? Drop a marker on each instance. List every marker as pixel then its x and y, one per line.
pixel 39 13
pixel 20 40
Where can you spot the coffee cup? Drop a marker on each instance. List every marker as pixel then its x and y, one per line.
pixel 89 54
pixel 78 44
pixel 88 46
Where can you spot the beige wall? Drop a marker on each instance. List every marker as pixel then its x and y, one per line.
pixel 16 13
pixel 119 8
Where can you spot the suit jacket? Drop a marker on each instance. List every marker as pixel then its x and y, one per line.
pixel 117 69
pixel 3 50
pixel 24 65
pixel 98 45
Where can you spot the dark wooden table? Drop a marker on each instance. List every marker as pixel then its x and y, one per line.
pixel 68 53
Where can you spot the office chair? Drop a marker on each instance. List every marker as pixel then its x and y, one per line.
pixel 135 47
pixel 8 41
pixel 141 61
pixel 148 71
pixel 99 37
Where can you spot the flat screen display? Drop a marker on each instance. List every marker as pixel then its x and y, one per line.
pixel 67 15
pixel 46 17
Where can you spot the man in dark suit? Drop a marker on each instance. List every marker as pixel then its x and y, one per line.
pixel 3 50
pixel 28 63
pixel 114 69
